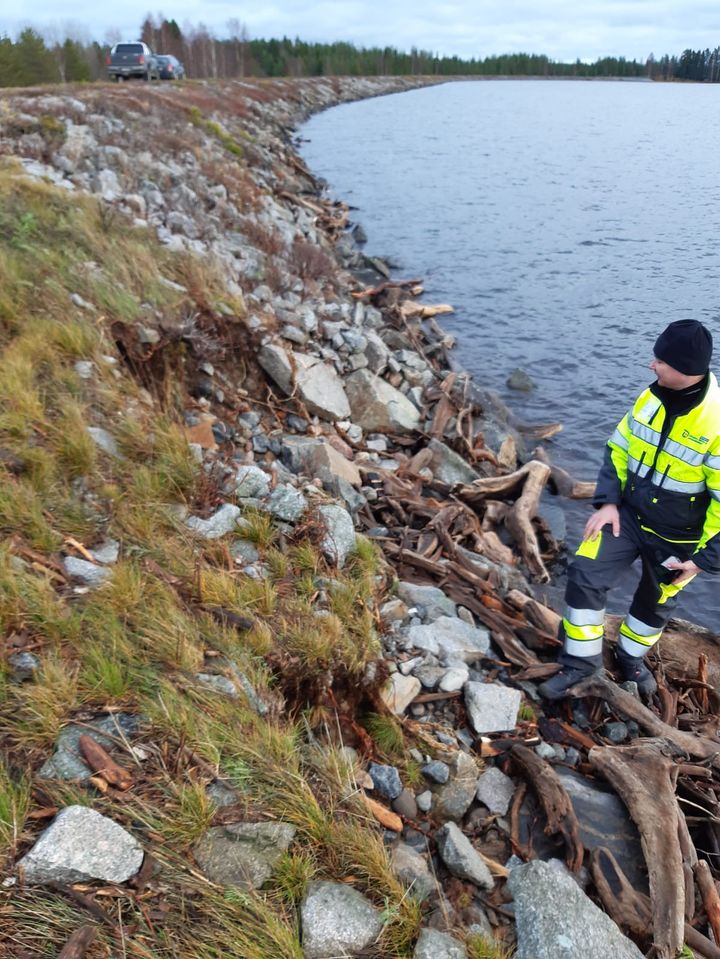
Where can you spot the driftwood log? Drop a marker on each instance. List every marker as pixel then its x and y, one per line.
pixel 619 699
pixel 631 909
pixel 79 943
pixel 555 801
pixel 565 484
pixel 644 777
pixel 531 478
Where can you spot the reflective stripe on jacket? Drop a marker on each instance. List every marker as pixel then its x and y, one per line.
pixel 669 472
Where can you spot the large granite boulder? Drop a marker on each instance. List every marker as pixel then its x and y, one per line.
pixel 223 521
pixel 67 762
pixel 454 798
pixel 317 383
pixel 79 846
pixel 461 858
pixel 339 539
pixel 399 691
pixel 450 638
pixel 434 944
pixel 378 407
pixel 448 466
pixel 324 461
pixel 243 855
pixel 556 920
pixel 491 707
pixel 432 600
pixel 412 870
pixel 337 920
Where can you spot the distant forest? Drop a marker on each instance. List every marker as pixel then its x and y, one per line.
pixel 36 58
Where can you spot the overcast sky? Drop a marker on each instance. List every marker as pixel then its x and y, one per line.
pixel 563 29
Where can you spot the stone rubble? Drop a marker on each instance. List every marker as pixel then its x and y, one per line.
pixel 81 845
pixel 350 388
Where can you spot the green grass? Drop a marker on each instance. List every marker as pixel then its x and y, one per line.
pixel 479 947
pixel 135 643
pixel 14 803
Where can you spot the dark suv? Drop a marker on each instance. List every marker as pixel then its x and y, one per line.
pixel 127 60
pixel 170 68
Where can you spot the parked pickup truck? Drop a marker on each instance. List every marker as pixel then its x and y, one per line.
pixel 127 60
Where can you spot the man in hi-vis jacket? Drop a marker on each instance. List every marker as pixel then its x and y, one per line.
pixel 657 498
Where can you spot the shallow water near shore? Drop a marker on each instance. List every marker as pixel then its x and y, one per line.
pixel 566 222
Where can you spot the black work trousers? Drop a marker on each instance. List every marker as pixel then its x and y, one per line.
pixel 597 567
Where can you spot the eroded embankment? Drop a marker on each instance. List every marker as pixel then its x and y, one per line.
pixel 231 451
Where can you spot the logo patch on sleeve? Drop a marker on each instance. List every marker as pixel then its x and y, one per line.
pixel 700 440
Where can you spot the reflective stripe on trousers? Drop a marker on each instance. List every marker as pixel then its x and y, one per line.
pixel 583 631
pixel 637 638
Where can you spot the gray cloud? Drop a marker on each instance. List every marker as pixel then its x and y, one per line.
pixel 563 29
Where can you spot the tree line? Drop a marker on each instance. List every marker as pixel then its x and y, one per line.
pixel 33 58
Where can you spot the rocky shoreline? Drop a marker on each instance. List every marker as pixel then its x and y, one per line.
pixel 319 393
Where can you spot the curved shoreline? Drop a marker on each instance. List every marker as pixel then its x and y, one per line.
pixel 317 400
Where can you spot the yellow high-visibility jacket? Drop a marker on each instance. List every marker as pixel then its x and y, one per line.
pixel 667 470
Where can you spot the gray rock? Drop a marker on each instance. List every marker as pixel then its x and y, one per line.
pixel 105 441
pixel 243 855
pixel 107 184
pixel 245 551
pixel 454 679
pixel 67 763
pixel 107 553
pixel 520 380
pixel 23 665
pixel 286 503
pixel 448 466
pixel 615 732
pixel 545 751
pixel 81 845
pixel 339 539
pixel 461 858
pixel 424 801
pixel 495 790
pixel 317 383
pixel 222 522
pixel 404 805
pixel 336 921
pixel 491 707
pixel 386 780
pixel 254 700
pixel 399 691
pixel 84 369
pixel 412 870
pixel 376 352
pixel 430 676
pixel 87 572
pixel 379 407
pixel 433 600
pixel 319 458
pixel 220 684
pixel 604 821
pixel 433 944
pixel 251 482
pixel 450 637
pixel 221 795
pixel 556 920
pixel 454 798
pixel 394 611
pixel 436 771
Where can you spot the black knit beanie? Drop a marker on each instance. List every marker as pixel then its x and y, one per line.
pixel 686 345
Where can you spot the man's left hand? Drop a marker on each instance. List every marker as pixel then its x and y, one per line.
pixel 689 569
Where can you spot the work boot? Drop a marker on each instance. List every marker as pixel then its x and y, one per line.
pixel 634 669
pixel 574 668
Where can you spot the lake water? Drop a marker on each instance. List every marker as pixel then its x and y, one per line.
pixel 566 222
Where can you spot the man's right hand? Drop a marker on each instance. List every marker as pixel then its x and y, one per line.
pixel 608 513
